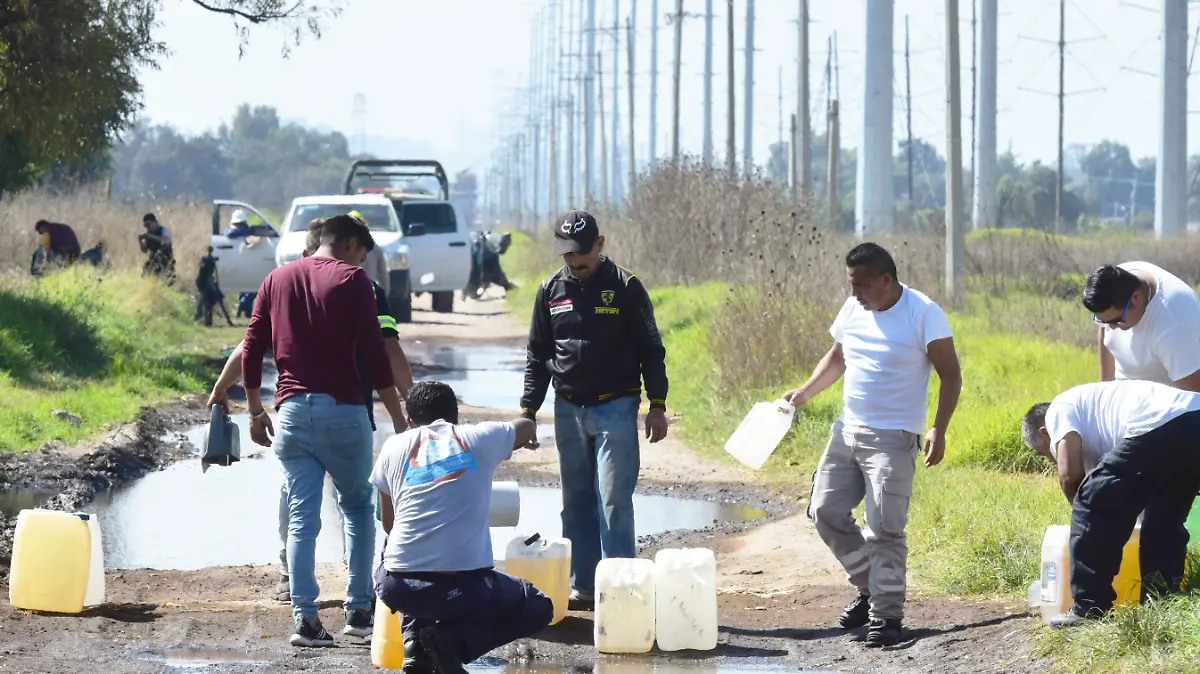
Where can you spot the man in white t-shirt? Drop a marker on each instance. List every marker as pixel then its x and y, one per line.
pixel 886 340
pixel 435 481
pixel 1149 324
pixel 1121 447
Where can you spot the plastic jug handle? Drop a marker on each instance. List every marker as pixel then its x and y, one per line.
pixel 785 407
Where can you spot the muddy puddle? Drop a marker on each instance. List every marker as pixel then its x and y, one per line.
pixel 482 376
pixel 203 658
pixel 16 499
pixel 181 518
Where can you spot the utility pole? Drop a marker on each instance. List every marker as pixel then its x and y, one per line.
pixel 908 150
pixel 730 138
pixel 748 104
pixel 653 82
pixel 589 133
pixel 974 81
pixel 984 176
pixel 955 232
pixel 708 82
pixel 779 103
pixel 604 193
pixel 632 128
pixel 873 210
pixel 802 103
pixel 1170 182
pixel 617 177
pixel 833 141
pixel 793 160
pixel 678 73
pixel 1062 55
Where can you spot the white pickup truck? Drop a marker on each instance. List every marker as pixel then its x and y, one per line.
pixel 438 238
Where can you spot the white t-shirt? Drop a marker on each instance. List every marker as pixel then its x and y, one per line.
pixel 439 478
pixel 1105 413
pixel 1165 345
pixel 886 385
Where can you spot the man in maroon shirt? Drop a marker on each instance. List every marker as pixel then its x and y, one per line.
pixel 58 240
pixel 314 313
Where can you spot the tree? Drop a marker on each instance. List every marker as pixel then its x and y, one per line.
pixel 68 72
pixel 777 163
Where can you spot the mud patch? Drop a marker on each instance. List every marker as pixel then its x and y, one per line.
pixel 75 475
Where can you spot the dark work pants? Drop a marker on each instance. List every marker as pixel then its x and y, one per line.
pixel 486 609
pixel 1158 472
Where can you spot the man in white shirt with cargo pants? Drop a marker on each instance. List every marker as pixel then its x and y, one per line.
pixel 886 338
pixel 1121 447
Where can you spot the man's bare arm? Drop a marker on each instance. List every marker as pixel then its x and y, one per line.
pixel 401 370
pixel 831 368
pixel 944 359
pixel 526 432
pixel 1070 465
pixel 1108 366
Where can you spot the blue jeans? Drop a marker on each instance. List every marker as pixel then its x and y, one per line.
pixel 484 609
pixel 316 435
pixel 599 460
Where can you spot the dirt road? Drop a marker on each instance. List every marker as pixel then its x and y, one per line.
pixel 779 589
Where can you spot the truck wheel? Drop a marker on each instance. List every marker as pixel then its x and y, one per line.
pixel 443 302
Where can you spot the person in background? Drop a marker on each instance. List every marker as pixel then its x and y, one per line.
pixel 436 482
pixel 208 290
pixel 593 334
pixel 1121 447
pixel 238 227
pixel 886 338
pixel 1149 324
pixel 315 314
pixel 59 242
pixel 156 241
pixel 95 254
pixel 376 264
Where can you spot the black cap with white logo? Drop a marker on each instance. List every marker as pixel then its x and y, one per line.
pixel 575 232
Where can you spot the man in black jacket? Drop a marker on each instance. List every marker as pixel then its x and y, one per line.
pixel 593 333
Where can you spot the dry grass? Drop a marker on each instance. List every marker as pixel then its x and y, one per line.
pixel 95 218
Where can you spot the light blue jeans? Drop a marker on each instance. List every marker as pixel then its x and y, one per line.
pixel 599 459
pixel 317 436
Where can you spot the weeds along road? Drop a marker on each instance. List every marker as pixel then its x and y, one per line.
pixel 780 590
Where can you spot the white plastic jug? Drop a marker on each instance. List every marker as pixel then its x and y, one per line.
pixel 624 613
pixel 545 562
pixel 685 599
pixel 95 585
pixel 1056 572
pixel 760 432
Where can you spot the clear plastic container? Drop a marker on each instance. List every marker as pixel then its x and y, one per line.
pixel 545 562
pixel 624 613
pixel 51 560
pixel 760 432
pixel 685 599
pixel 387 640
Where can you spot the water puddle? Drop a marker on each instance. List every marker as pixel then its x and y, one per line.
pixel 195 658
pixel 482 376
pixel 179 518
pixel 16 499
pixel 639 665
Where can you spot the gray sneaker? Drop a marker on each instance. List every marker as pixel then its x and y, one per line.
pixel 283 590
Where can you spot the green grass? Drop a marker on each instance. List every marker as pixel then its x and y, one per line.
pixel 99 347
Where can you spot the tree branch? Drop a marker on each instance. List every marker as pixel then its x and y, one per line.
pixel 252 17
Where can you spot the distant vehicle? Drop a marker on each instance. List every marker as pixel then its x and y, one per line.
pixel 385 229
pixel 243 263
pixel 438 238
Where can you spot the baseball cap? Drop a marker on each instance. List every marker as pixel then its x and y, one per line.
pixel 575 232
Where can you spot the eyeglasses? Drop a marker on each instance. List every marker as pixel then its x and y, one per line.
pixel 1117 321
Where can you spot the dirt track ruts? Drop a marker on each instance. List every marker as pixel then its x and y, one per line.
pixel 779 589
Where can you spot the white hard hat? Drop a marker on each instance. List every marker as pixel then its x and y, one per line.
pixel 238 216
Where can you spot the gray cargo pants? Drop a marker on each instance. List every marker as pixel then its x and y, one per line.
pixel 878 465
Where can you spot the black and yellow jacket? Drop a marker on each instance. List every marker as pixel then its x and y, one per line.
pixel 597 340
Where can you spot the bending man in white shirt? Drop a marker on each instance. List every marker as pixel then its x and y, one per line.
pixel 1121 447
pixel 436 482
pixel 1149 324
pixel 886 339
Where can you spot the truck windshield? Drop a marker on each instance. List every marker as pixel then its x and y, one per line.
pixel 376 215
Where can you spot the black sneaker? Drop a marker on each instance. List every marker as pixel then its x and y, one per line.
pixel 359 623
pixel 581 600
pixel 855 615
pixel 310 635
pixel 884 632
pixel 283 589
pixel 443 653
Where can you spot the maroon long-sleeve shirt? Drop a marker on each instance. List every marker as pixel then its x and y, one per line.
pixel 314 312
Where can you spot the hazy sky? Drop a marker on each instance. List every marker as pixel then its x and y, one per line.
pixel 447 71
